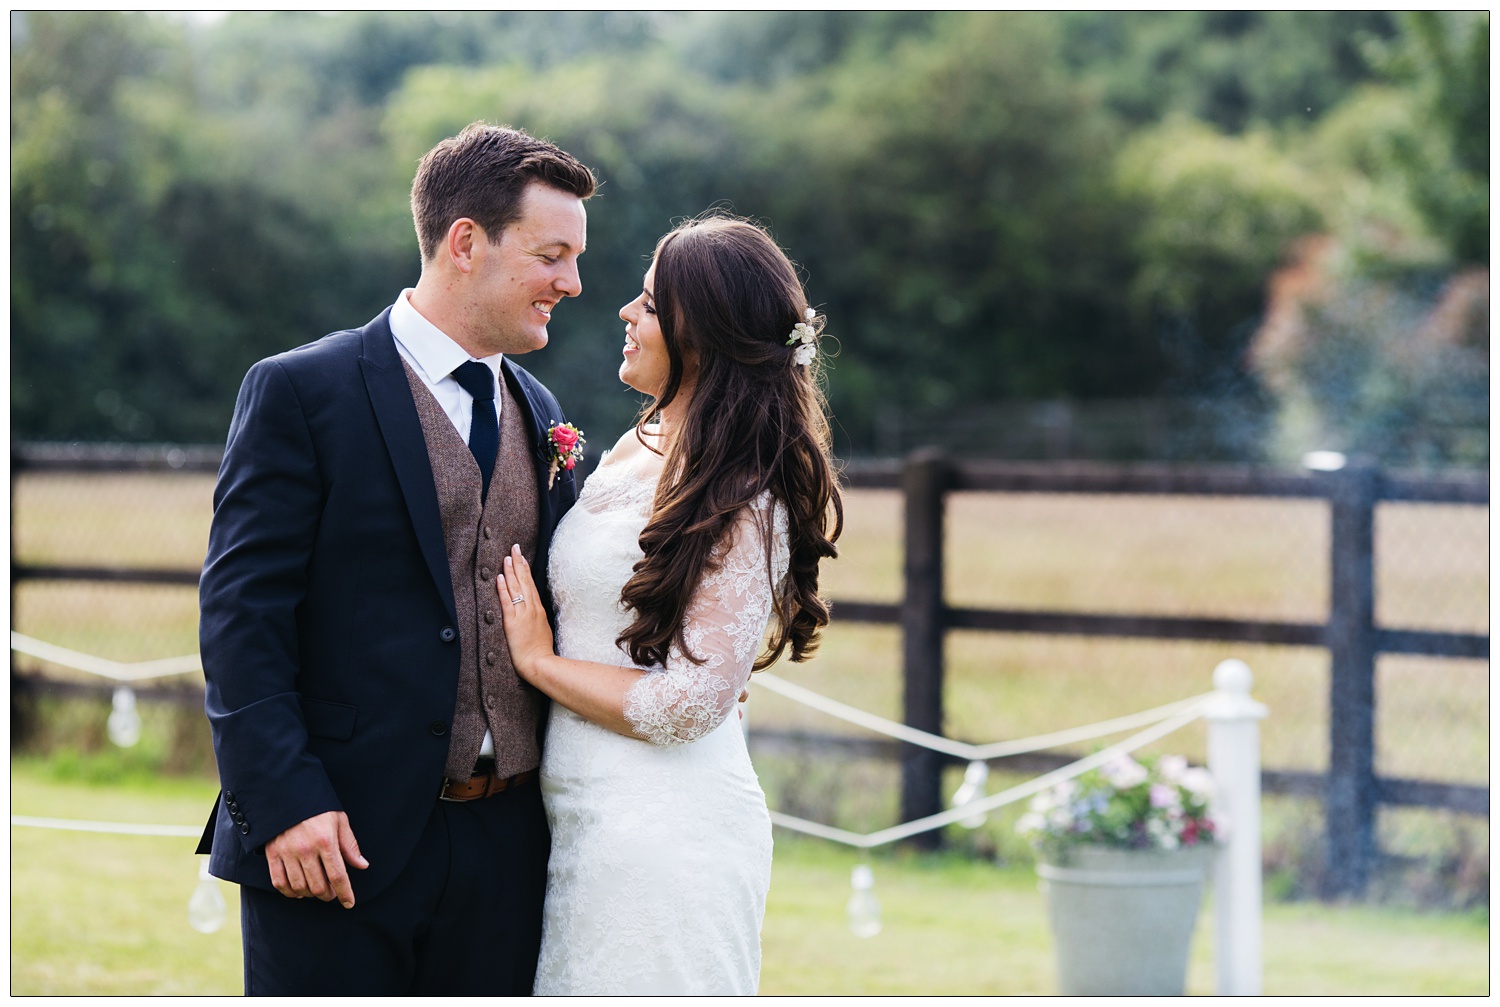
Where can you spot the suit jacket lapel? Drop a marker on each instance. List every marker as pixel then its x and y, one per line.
pixel 390 396
pixel 537 418
pixel 535 415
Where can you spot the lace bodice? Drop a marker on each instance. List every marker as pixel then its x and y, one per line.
pixel 593 555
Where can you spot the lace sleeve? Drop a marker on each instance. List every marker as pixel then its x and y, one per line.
pixel 725 623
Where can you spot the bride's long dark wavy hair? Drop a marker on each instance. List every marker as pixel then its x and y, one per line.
pixel 727 299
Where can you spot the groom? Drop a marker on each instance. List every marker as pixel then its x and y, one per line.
pixel 377 752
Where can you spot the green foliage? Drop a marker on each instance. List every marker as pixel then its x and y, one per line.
pixel 70 732
pixel 943 195
pixel 1443 61
pixel 1230 69
pixel 147 272
pixel 763 47
pixel 1384 349
pixel 1216 214
pixel 988 205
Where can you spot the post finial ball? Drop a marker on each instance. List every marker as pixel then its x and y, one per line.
pixel 1233 676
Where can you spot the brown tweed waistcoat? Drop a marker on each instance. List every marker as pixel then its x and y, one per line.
pixel 478 536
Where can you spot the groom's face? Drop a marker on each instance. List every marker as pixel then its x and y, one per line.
pixel 523 277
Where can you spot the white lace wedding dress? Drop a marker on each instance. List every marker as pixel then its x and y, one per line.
pixel 661 848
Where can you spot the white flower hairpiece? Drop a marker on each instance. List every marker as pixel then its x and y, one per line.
pixel 803 334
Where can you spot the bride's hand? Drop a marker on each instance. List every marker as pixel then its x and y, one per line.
pixel 526 628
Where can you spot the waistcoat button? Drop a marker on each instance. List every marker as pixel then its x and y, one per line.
pixel 484 573
pixel 489 617
pixel 489 658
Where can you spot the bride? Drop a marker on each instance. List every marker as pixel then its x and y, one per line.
pixel 692 536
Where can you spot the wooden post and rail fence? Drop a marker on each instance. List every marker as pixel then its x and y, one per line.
pixel 1350 790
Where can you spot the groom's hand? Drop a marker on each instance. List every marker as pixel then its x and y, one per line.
pixel 309 859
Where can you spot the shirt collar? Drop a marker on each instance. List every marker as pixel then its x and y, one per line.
pixel 433 350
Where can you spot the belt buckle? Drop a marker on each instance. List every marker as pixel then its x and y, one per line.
pixel 489 776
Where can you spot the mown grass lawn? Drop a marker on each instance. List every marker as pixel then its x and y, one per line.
pixel 107 914
pixel 99 914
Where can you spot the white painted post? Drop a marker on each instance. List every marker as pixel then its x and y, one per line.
pixel 1234 759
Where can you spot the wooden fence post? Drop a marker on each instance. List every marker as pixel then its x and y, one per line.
pixel 924 483
pixel 1349 806
pixel 22 705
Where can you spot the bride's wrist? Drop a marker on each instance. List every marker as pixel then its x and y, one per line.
pixel 530 668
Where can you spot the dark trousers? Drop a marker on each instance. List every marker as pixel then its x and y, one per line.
pixel 463 917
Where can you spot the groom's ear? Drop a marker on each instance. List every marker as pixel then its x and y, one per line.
pixel 462 242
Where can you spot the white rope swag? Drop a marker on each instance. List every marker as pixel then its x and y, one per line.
pixel 968 810
pixel 117 671
pixel 962 749
pixel 113 828
pixel 1167 719
pixel 1234 758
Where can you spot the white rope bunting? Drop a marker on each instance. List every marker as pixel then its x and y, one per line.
pixel 962 749
pixel 1019 792
pixel 131 672
pixel 114 828
pixel 1165 719
pixel 102 666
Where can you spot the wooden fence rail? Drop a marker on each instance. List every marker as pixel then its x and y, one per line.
pixel 1350 790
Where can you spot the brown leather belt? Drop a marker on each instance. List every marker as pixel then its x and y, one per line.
pixel 482 785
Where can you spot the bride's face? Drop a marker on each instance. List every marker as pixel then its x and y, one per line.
pixel 646 363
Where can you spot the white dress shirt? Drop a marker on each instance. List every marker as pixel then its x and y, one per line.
pixel 434 355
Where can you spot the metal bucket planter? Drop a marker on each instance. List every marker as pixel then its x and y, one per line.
pixel 1122 920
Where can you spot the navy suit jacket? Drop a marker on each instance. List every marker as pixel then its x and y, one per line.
pixel 327 624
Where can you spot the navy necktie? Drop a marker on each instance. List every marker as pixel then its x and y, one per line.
pixel 484 429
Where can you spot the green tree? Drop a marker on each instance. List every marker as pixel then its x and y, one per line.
pixel 147 271
pixel 1231 69
pixel 951 206
pixel 1442 60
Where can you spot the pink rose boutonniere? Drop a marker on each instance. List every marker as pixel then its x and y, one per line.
pixel 564 449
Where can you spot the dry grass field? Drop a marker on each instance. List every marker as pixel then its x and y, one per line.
pixel 1110 554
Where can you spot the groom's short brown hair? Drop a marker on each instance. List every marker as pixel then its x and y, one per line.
pixel 480 174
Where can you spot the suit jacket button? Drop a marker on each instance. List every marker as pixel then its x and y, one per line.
pixel 234 809
pixel 244 828
pixel 229 796
pixel 438 728
pixel 448 635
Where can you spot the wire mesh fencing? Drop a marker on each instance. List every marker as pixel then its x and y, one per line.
pixel 105 530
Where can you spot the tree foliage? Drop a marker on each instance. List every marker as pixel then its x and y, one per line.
pixel 987 205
